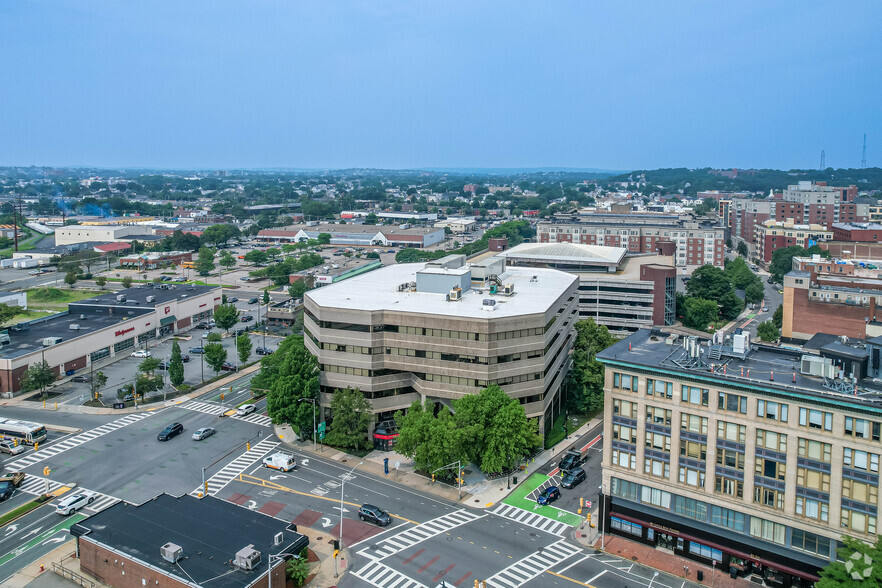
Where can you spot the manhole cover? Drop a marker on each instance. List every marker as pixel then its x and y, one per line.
pixel 532 534
pixel 318 538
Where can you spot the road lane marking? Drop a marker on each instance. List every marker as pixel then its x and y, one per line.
pixel 595 577
pixel 573 580
pixel 578 561
pixel 526 569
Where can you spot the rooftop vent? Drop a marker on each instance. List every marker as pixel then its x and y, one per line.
pixel 171 552
pixel 455 294
pixel 74 327
pixel 82 317
pixel 247 558
pixel 278 538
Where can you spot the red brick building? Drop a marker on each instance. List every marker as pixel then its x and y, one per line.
pixel 772 235
pixel 857 232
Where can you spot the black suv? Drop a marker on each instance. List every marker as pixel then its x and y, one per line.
pixel 573 478
pixel 170 431
pixel 374 514
pixel 263 351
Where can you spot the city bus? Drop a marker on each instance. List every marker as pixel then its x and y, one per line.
pixel 22 431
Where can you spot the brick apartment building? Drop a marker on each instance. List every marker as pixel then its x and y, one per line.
pixel 818 203
pixel 857 232
pixel 772 235
pixel 696 243
pixel 744 215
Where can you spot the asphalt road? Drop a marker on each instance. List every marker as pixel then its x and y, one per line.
pixel 32 536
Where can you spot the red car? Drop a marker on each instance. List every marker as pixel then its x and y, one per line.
pixel 228 367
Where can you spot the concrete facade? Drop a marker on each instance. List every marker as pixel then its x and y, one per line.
pixel 99 233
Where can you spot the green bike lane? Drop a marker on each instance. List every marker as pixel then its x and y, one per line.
pixel 26 539
pixel 524 497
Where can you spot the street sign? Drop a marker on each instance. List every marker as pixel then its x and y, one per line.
pixel 588 503
pixel 321 431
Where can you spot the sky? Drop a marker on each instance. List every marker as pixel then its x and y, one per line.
pixel 615 85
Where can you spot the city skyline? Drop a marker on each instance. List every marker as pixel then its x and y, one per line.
pixel 348 85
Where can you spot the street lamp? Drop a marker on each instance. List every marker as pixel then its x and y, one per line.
pixel 313 401
pixel 277 556
pixel 342 485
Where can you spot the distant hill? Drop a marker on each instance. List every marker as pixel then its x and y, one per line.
pixel 752 180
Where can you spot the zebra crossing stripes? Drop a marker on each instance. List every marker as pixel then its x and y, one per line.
pixel 36 485
pixel 401 541
pixel 382 576
pixel 531 519
pixel 101 502
pixel 524 570
pixel 217 482
pixel 217 410
pixel 75 441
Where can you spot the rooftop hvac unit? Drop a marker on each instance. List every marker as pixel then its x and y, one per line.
pixel 278 538
pixel 50 341
pixel 171 552
pixel 82 317
pixel 508 289
pixel 455 294
pixel 489 302
pixel 151 299
pixel 74 327
pixel 247 558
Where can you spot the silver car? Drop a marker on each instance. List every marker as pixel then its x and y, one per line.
pixel 202 433
pixel 11 447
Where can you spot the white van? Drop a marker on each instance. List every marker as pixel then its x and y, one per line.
pixel 280 461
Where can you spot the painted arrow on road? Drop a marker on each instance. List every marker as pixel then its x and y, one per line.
pixel 279 477
pixel 54 540
pixel 33 531
pixel 326 522
pixel 305 461
pixel 251 504
pixel 11 529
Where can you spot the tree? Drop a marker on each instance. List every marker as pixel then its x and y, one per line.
pixel 214 338
pixel 297 289
pixel 70 278
pixel 754 292
pixel 256 256
pixel 227 260
pixel 100 281
pixel 293 375
pixel 205 261
pixel 266 297
pixel 782 260
pixel 225 316
pixel 176 366
pixel 324 238
pixel 767 331
pixel 352 420
pixel 371 219
pixel 698 312
pixel 778 316
pixel 712 283
pixel 127 282
pixel 729 243
pixel 431 441
pixel 215 356
pixel 586 383
pixel 7 312
pixel 742 249
pixel 857 565
pixel 298 568
pixel 98 381
pixel 37 377
pixel 243 348
pixel 219 234
pixel 148 365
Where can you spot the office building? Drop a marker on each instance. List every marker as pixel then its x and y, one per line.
pixel 441 330
pixel 773 235
pixel 744 215
pixel 623 291
pixel 358 235
pixel 753 458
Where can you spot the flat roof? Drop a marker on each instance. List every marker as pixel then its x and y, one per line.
pixel 209 531
pixel 378 290
pixel 137 296
pixel 347 229
pixel 566 252
pixel 647 349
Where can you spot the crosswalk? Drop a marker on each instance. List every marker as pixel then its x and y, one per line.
pixel 75 441
pixel 531 519
pixel 401 541
pixel 524 570
pixel 227 473
pixel 217 409
pixel 382 576
pixel 36 485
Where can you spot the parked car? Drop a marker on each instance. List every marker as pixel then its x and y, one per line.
pixel 247 318
pixel 81 379
pixel 573 478
pixel 233 299
pixel 202 433
pixel 228 367
pixel 197 350
pixel 71 504
pixel 765 309
pixel 170 431
pixel 185 358
pixel 252 301
pixel 9 482
pixel 263 351
pixel 35 272
pixel 11 447
pixel 128 398
pixel 142 353
pixel 374 514
pixel 548 495
pixel 203 326
pixel 245 409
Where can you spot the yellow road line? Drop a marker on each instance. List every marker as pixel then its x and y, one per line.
pixel 562 577
pixel 266 484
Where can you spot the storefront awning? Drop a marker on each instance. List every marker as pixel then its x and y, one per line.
pixel 167 320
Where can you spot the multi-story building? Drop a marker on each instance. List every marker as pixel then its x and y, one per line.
pixel 696 243
pixel 772 235
pixel 857 232
pixel 818 203
pixel 744 215
pixel 837 296
pixel 363 235
pixel 625 292
pixel 441 330
pixel 874 213
pixel 755 458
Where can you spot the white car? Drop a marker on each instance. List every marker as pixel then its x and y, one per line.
pixel 142 353
pixel 11 447
pixel 245 409
pixel 75 502
pixel 35 272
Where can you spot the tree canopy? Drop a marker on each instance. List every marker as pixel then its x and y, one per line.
pixel 291 373
pixel 859 565
pixel 215 356
pixel 586 379
pixel 204 261
pixel 219 234
pixel 352 420
pixel 225 316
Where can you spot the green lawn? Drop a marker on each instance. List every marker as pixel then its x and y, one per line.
pixel 48 298
pixel 524 497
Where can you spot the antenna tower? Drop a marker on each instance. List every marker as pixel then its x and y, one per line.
pixel 823 160
pixel 864 156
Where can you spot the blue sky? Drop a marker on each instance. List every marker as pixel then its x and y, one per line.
pixel 611 85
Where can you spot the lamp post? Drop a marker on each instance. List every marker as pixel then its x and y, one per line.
pixel 602 536
pixel 313 401
pixel 277 556
pixel 342 485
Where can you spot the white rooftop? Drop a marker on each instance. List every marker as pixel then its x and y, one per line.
pixel 378 290
pixel 575 252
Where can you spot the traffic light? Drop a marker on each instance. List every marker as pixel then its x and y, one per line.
pixel 336 545
pixel 581 502
pixel 336 553
pixel 46 471
pixel 222 395
pixel 589 517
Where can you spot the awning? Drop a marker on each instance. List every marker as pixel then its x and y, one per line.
pixel 167 320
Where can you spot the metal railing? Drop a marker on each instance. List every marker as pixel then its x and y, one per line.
pixel 72 575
